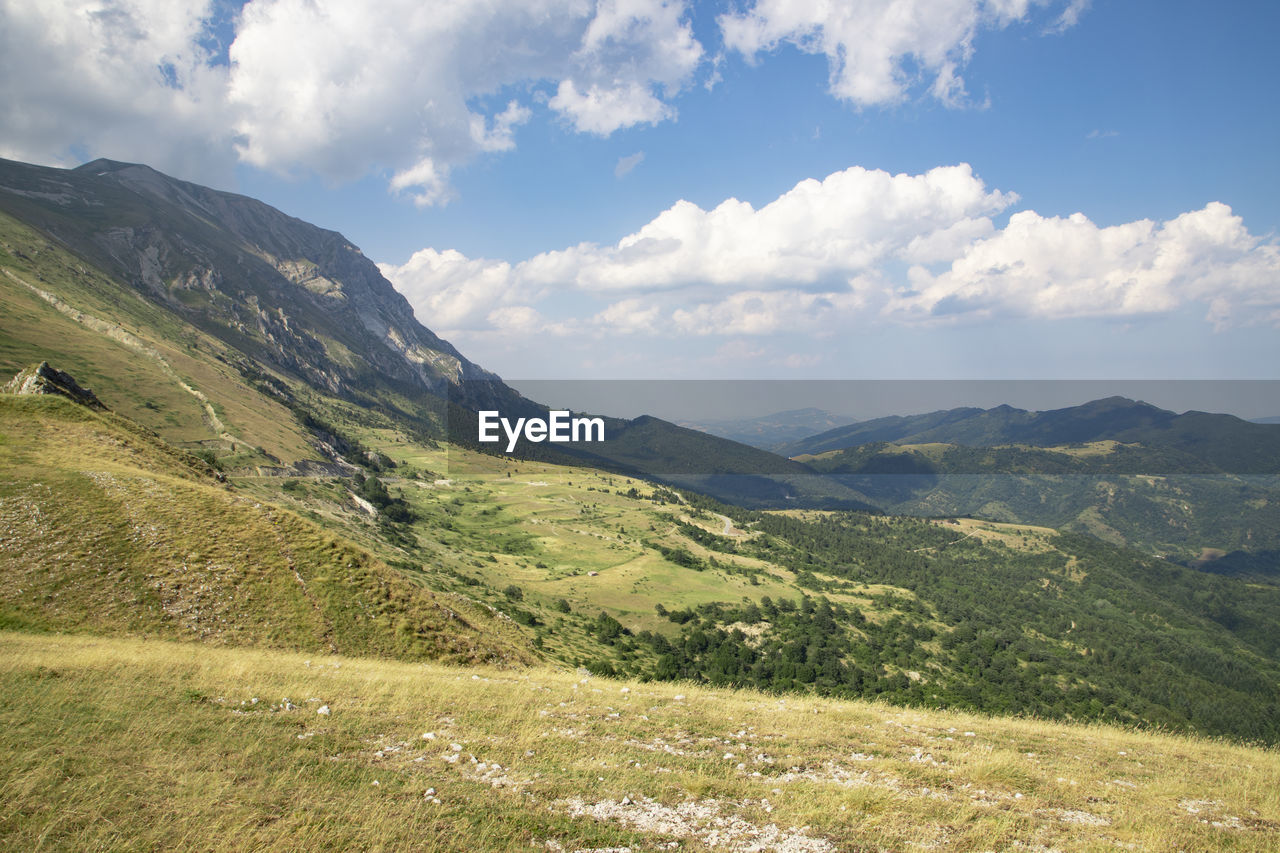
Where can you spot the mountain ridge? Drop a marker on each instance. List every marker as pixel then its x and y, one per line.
pixel 1224 441
pixel 188 245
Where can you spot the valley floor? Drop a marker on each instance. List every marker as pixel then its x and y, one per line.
pixel 137 744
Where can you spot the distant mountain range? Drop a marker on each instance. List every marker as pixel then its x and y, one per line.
pixel 1221 442
pixel 1124 470
pixel 226 325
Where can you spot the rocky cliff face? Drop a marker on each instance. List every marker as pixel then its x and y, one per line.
pixel 299 298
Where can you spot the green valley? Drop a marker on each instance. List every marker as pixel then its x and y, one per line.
pixel 961 646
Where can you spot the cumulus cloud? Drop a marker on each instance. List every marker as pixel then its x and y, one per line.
pixel 603 109
pixel 633 51
pixel 454 291
pixel 819 230
pixel 860 247
pixel 329 87
pixel 416 90
pixel 128 79
pixel 342 87
pixel 517 318
pixel 630 316
pixel 1058 267
pixel 879 50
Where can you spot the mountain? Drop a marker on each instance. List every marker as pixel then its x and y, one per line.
pixel 107 529
pixel 1178 485
pixel 768 431
pixel 221 322
pixel 1223 442
pixel 287 295
pixel 352 509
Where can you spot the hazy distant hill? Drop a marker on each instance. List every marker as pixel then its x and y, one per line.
pixel 1128 472
pixel 1221 442
pixel 769 431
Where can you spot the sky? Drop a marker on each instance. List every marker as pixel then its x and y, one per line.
pixel 738 189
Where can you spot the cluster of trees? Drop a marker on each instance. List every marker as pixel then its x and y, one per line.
pixel 1072 628
pixel 391 509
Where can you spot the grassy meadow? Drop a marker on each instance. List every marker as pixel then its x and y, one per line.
pixel 143 744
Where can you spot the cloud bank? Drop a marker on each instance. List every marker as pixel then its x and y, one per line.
pixel 414 90
pixel 328 87
pixel 859 246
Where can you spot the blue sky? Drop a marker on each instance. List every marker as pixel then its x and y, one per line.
pixel 648 189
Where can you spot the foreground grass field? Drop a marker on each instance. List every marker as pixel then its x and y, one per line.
pixel 137 744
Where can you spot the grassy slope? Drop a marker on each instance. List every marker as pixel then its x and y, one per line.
pixel 127 744
pixel 108 529
pixel 555 532
pixel 552 547
pixel 1159 649
pixel 133 353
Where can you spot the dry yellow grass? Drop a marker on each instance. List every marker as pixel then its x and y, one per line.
pixel 113 743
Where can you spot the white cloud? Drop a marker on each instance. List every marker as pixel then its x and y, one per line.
pixel 498 134
pixel 632 51
pixel 818 231
pixel 1058 268
pixel 626 164
pixel 756 312
pixel 630 316
pixel 858 248
pixel 870 45
pixel 451 291
pixel 520 319
pixel 330 87
pixel 428 181
pixel 602 110
pixel 124 78
pixel 340 88
pixel 1070 16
